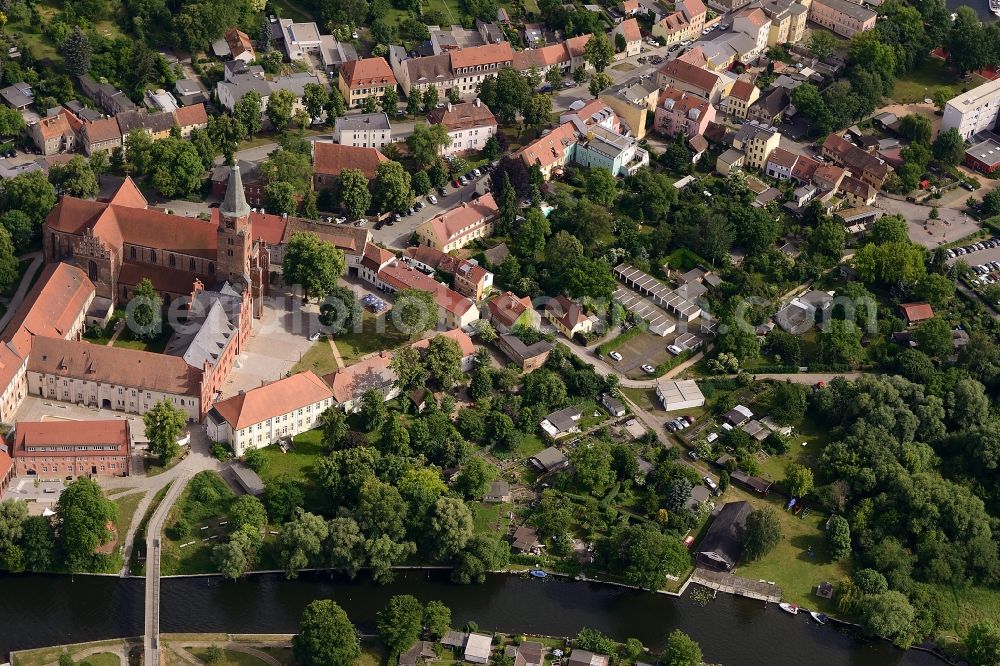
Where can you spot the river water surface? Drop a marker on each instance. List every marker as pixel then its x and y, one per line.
pixel 39 610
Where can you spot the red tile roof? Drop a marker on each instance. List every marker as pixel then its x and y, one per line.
pixel 367 72
pixel 685 72
pixel 507 308
pixel 376 257
pixel 51 308
pixel 463 116
pixel 275 399
pixel 331 159
pixel 456 334
pixel 238 42
pixel 783 158
pixel 567 312
pixel 476 56
pixel 462 219
pixel 372 372
pixel 915 312
pixel 67 435
pixel 742 90
pixel 629 29
pixel 576 45
pixel 549 149
pixel 267 227
pixel 400 276
pixel 6 464
pixel 191 116
pixel 105 129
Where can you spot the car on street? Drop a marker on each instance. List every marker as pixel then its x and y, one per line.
pixel 463 180
pixel 340 220
pixel 442 192
pixel 648 369
pixel 420 205
pixel 674 349
pixel 359 223
pixel 411 211
pixel 433 199
pixel 615 355
pixel 674 48
pixel 692 455
pixel 456 184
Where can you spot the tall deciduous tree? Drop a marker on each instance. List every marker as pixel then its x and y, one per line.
pixel 279 108
pixel 164 425
pixel 313 264
pixel 400 622
pixel 451 526
pixel 598 51
pixel 8 261
pixel 426 142
pixel 392 190
pixel 300 542
pixel 415 311
pixel 763 532
pixel 681 650
pixel 326 636
pixel 248 112
pixel 355 197
pixel 83 515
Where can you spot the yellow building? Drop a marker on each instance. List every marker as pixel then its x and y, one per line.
pixel 632 101
pixel 360 79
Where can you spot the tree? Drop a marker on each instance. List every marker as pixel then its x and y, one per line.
pixel 400 622
pixel 18 225
pixel 644 555
pixel 935 288
pixel 354 193
pixel 225 132
pixel 681 650
pixel 437 619
pixel 474 478
pixel 248 112
pixel 413 100
pixel 982 644
pixel 505 94
pixel 11 122
pixel 383 553
pixel 426 143
pixel 916 127
pixel 247 510
pixel 598 83
pixel 821 44
pixel 238 555
pixel 76 52
pixel 890 263
pixel 315 99
pixel 889 615
pixel 889 229
pixel 82 518
pixel 934 336
pixel 598 51
pixel 798 479
pixel 841 343
pixel 532 233
pixel 410 372
pixel 990 206
pixel 326 636
pixel 373 410
pixel 394 438
pixel 592 462
pixel 838 537
pixel 300 542
pixel 30 193
pixel 421 182
pixel 415 311
pixel 430 98
pixel 763 532
pixel 8 261
pixel 451 526
pixel 283 496
pixel 966 41
pixel 335 105
pixel 443 361
pixel 345 545
pixel 164 425
pixel 279 108
pixel 738 339
pixel 392 188
pixel 313 264
pixel 949 147
pixel 538 110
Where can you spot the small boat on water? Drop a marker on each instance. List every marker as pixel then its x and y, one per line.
pixel 995 7
pixel 821 618
pixel 538 573
pixel 789 608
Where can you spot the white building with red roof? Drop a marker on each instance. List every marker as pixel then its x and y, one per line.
pixel 360 79
pixel 470 125
pixel 459 226
pixel 629 30
pixel 259 417
pixel 454 309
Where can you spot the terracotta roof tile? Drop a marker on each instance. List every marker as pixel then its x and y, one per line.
pixel 507 308
pixel 629 29
pixel 549 149
pixel 110 432
pixel 105 129
pixel 51 308
pixel 462 116
pixel 400 276
pixel 331 159
pixel 462 219
pixel 686 72
pixel 238 42
pixel 366 72
pixel 488 54
pixel 191 116
pixel 916 311
pixel 742 90
pixel 281 397
pixel 267 227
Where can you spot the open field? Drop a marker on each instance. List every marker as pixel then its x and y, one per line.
pixel 229 658
pixel 318 358
pixel 928 77
pixel 43 656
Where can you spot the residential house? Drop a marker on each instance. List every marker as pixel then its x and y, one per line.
pixel 232 90
pixel 499 493
pixel 299 38
pixel 360 79
pixel 862 165
pixel 477 648
pixel 629 30
pixel 18 96
pixel 606 149
pixel 842 16
pixel 915 313
pixel 788 21
pixel 189 118
pixel 264 415
pixel 693 79
pixel 753 22
pixel 614 406
pixel 562 422
pixel 741 96
pixel 102 134
pixel 108 98
pixel 632 101
pixel 335 54
pixel 737 416
pixel 56 133
pixel 780 164
pixel 722 545
pixel 189 92
pixel 160 100
pixel 454 310
pixel 422 652
pixel 330 160
pixel 751 482
pixel 697 498
pixel 351 383
pixel 677 395
pixel 567 316
pixel 459 226
pixel 679 112
pixel 59 449
pixel 367 130
pixel 507 312
pixel 549 460
pixel 469 124
pixel 580 657
pixel 467 276
pixel 770 107
pixel 856 192
pixel 240 45
pixel 526 357
pixel 686 23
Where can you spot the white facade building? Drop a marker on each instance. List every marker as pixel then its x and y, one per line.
pixel 974 111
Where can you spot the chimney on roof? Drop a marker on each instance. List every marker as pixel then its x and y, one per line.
pixel 450 107
pixel 478 102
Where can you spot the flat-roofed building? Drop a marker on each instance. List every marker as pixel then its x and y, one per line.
pixel 842 16
pixel 675 395
pixel 974 111
pixel 367 130
pixel 57 449
pixel 983 157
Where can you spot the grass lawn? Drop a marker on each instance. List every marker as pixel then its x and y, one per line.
pixel 48 655
pixel 928 77
pixel 283 655
pixel 292 10
pixel 964 607
pixel 126 511
pixel 645 398
pixel 491 518
pixel 229 658
pixel 789 564
pixel 377 333
pixel 209 514
pixel 529 446
pixel 372 653
pixel 104 659
pixel 318 358
pixel 297 463
pixel 137 566
pixel 815 439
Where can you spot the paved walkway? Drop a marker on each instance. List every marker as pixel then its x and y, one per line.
pixel 336 354
pixel 181 649
pixel 120 651
pixel 22 289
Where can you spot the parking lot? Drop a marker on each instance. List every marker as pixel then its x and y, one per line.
pixel 640 350
pixel 397 236
pixel 974 257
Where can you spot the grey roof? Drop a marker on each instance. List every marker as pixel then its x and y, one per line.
pixel 211 324
pixel 131 120
pixel 248 172
pixel 188 86
pixel 84 113
pixel 565 419
pixel 854 10
pixel 364 121
pixel 17 95
pixel 612 403
pixel 335 53
pixel 235 203
pixel 294 83
pixel 724 538
pixel 699 495
pixel 499 489
pixel 549 458
pixel 220 49
pixel 518 348
pixel 241 84
pixel 248 479
pixel 9 170
pixel 162 121
pixel 987 152
pixel 429 68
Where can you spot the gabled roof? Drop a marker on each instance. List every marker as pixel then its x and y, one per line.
pixel 465 115
pixel 105 129
pixel 275 399
pixel 367 72
pixel 742 90
pixel 401 276
pixel 330 159
pixel 629 29
pixel 238 42
pixel 568 312
pixel 191 116
pixel 371 373
pixel 507 308
pixel 782 158
pixel 549 149
pixel 724 538
pixel 916 311
pixel 51 308
pixel 109 432
pixel 476 56
pixel 460 220
pixel 679 70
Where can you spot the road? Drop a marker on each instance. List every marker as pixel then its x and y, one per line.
pixel 22 289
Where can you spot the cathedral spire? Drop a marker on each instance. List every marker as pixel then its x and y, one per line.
pixel 235 203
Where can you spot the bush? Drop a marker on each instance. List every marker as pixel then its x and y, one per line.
pixel 213 654
pixel 180 529
pixel 222 451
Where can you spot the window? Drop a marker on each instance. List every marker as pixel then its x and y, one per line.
pixel 211 268
pixel 132 252
pixel 173 261
pixel 191 265
pixel 92 270
pixel 152 256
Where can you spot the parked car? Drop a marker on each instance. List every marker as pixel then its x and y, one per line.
pixel 712 485
pixel 674 349
pixel 692 455
pixel 455 183
pixel 648 369
pixel 463 180
pixel 442 192
pixel 433 199
pixel 615 355
pixel 314 337
pixel 477 173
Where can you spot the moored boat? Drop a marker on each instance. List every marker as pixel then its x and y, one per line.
pixel 821 618
pixel 789 608
pixel 538 573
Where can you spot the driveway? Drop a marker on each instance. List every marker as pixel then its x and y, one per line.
pixel 398 235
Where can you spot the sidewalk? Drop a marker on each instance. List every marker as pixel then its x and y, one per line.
pixel 22 289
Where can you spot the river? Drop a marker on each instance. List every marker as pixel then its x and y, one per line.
pixel 981 7
pixel 38 610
